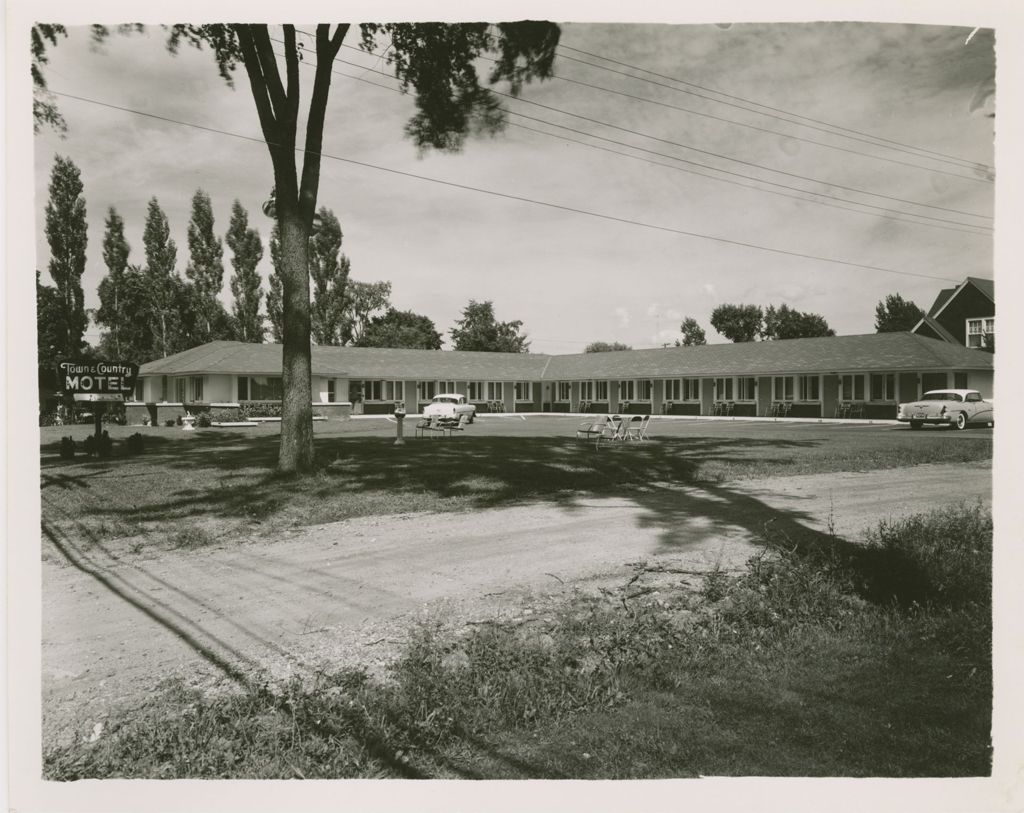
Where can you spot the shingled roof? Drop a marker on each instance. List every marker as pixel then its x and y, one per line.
pixel 865 353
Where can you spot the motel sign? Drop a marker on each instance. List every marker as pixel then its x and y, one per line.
pixel 97 380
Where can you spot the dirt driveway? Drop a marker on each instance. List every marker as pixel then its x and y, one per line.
pixel 114 626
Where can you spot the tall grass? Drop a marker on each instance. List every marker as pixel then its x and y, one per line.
pixel 825 660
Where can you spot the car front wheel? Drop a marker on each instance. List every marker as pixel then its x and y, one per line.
pixel 961 421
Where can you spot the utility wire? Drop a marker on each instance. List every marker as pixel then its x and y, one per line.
pixel 713 168
pixel 890 143
pixel 715 154
pixel 519 198
pixel 889 214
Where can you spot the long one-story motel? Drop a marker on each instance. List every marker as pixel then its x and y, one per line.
pixel 815 378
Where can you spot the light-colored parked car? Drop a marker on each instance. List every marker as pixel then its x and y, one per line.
pixel 449 405
pixel 955 408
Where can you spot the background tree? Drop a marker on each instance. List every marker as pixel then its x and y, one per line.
pixel 329 270
pixel 605 347
pixel 437 60
pixel 48 333
pixel 787 323
pixel 693 334
pixel 44 110
pixel 115 256
pixel 161 277
pixel 738 323
pixel 130 310
pixel 66 232
pixel 247 251
pixel 363 302
pixel 479 330
pixel 205 269
pixel 401 329
pixel 894 314
pixel 275 294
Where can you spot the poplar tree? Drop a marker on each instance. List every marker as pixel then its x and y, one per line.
pixel 328 271
pixel 275 293
pixel 205 269
pixel 163 281
pixel 247 251
pixel 112 313
pixel 66 232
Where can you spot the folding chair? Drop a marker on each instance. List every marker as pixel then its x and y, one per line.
pixel 637 429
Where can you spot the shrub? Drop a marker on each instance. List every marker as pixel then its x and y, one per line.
pixel 135 443
pixel 67 448
pixel 171 422
pixel 89 445
pixel 203 420
pixel 223 416
pixel 261 409
pixel 104 445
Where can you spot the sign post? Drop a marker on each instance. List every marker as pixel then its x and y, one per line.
pixel 97 382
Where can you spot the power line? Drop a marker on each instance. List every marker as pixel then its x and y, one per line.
pixel 519 198
pixel 890 212
pixel 715 154
pixel 888 143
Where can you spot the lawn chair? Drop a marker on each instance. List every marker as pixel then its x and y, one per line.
pixel 618 427
pixel 718 408
pixel 593 429
pixel 457 426
pixel 637 428
pixel 431 426
pixel 784 409
pixel 856 410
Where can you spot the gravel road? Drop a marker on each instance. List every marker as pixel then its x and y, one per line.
pixel 114 625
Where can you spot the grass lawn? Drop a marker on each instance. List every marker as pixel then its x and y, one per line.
pixel 189 488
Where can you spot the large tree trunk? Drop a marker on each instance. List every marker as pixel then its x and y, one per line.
pixel 297 374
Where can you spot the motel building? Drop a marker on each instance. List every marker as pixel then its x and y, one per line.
pixel 858 377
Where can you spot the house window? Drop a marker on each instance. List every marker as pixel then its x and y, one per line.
pixel 883 387
pixel 691 389
pixel 524 391
pixel 600 390
pixel 446 386
pixel 163 389
pixel 476 391
pixel 243 388
pixel 627 390
pixel 139 392
pixel 586 390
pixel 978 330
pixel 495 391
pixel 673 389
pixel 332 394
pixel 851 388
pixel 265 388
pixel 723 389
pixel 809 388
pixel 746 389
pixel 959 381
pixel 644 389
pixel 373 390
pixel 782 388
pixel 425 390
pixel 179 390
pixel 197 388
pixel 564 390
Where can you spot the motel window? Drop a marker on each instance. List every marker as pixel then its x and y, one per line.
pixel 674 389
pixel 644 389
pixel 883 387
pixel 446 386
pixel 163 389
pixel 809 388
pixel 332 393
pixel 495 391
pixel 627 390
pixel 564 390
pixel 746 389
pixel 394 391
pixel 265 388
pixel 723 389
pixel 425 390
pixel 600 390
pixel 851 388
pixel 782 388
pixel 373 390
pixel 476 391
pixel 139 392
pixel 691 389
pixel 179 390
pixel 959 381
pixel 524 391
pixel 197 388
pixel 243 388
pixel 586 390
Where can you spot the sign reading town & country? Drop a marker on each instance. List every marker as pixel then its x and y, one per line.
pixel 96 380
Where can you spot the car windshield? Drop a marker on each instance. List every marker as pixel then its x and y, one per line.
pixel 942 396
pixel 446 399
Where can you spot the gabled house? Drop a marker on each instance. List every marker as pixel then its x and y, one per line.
pixel 964 315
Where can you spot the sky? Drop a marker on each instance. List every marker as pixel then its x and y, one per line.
pixel 574 278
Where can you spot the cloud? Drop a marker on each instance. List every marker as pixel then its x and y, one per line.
pixel 623 316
